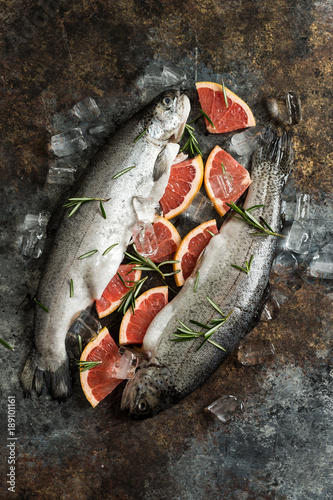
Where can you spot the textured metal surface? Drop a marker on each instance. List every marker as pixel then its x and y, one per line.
pixel 280 447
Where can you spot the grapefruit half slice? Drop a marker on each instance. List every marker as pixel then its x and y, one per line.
pixel 115 290
pixel 235 116
pixel 99 381
pixel 184 182
pixel 134 326
pixel 225 179
pixel 190 249
pixel 168 239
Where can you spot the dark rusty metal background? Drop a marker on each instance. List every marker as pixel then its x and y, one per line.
pixel 60 51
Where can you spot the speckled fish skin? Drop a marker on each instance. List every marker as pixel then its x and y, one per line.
pixel 177 368
pixel 87 230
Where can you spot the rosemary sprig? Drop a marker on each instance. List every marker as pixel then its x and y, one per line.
pixel 223 168
pixel 87 254
pixel 145 264
pixel 184 332
pixel 225 95
pixel 210 232
pixel 191 144
pixel 6 345
pixel 71 288
pixel 109 248
pixel 87 365
pixel 77 202
pixel 141 135
pixel 245 215
pixel 196 282
pixel 41 305
pixel 122 172
pixel 129 299
pixel 247 267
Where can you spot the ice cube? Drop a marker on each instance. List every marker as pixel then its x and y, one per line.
pixel 302 211
pixel 226 407
pixel 226 183
pixel 100 129
pixel 286 108
pixel 86 110
pixel 285 263
pixel 271 310
pixel 85 325
pixel 125 366
pixel 244 143
pixel 153 76
pixel 288 210
pixel 298 238
pixel 321 266
pixel 201 209
pixel 255 352
pixel 61 175
pixel 172 75
pixel 68 143
pixel 145 238
pixel 33 239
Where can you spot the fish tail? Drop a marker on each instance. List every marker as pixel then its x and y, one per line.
pixel 58 382
pixel 276 150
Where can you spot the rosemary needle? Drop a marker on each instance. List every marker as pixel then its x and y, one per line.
pixel 247 267
pixel 88 254
pixel 122 172
pixel 6 345
pixel 109 249
pixel 41 305
pixel 71 288
pixel 225 94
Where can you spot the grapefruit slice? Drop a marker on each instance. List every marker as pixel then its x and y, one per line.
pixel 99 381
pixel 225 179
pixel 168 239
pixel 134 326
pixel 234 117
pixel 190 249
pixel 184 182
pixel 115 290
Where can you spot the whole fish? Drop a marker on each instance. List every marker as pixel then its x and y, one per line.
pixel 131 171
pixel 174 369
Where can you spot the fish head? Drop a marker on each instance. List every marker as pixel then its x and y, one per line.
pixel 168 116
pixel 150 391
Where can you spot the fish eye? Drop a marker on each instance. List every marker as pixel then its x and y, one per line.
pixel 143 406
pixel 167 101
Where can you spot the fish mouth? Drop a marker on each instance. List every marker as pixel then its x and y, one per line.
pixel 186 105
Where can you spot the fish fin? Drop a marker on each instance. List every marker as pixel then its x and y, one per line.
pixel 58 382
pixel 276 149
pixel 164 161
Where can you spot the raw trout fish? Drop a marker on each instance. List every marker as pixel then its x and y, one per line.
pixel 174 369
pixel 147 142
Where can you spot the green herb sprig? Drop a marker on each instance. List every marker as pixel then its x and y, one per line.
pixel 225 95
pixel 76 203
pixel 192 144
pixel 122 172
pixel 184 332
pixel 141 135
pixel 145 264
pixel 6 345
pixel 109 249
pixel 87 254
pixel 247 267
pixel 87 365
pixel 41 305
pixel 263 227
pixel 133 291
pixel 71 288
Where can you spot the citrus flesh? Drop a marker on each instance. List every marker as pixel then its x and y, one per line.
pixel 225 179
pixel 115 290
pixel 134 326
pixel 168 239
pixel 235 116
pixel 184 182
pixel 190 249
pixel 99 381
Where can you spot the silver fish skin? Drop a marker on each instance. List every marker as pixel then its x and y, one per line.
pixel 152 155
pixel 175 369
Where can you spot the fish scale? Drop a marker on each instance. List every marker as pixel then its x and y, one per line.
pixel 152 155
pixel 184 366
